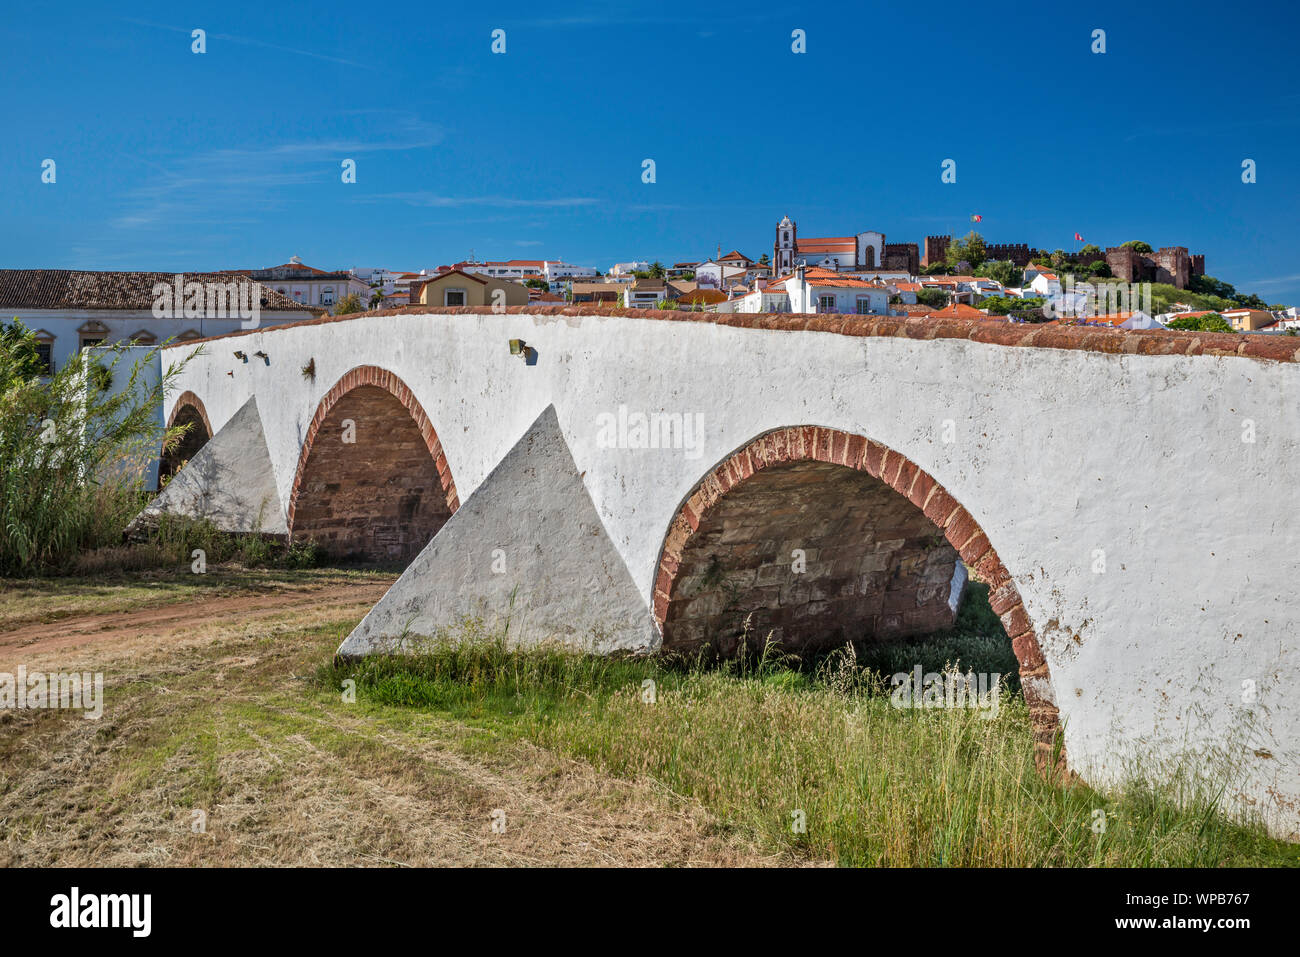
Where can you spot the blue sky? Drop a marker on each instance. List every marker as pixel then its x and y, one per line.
pixel 175 161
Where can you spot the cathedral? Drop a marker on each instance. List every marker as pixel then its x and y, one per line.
pixel 865 251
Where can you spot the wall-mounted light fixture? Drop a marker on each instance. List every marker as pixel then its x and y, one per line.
pixel 240 356
pixel 523 350
pixel 263 356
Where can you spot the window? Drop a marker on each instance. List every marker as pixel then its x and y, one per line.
pixel 45 350
pixel 91 333
pixel 864 305
pixel 825 303
pixel 144 338
pixel 327 296
pixel 453 297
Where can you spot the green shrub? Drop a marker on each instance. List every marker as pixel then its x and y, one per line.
pixel 73 455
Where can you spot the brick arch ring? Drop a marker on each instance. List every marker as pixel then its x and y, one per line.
pixel 815 444
pixel 391 383
pixel 188 398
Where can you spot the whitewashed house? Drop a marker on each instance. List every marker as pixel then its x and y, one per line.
pixel 72 309
pixel 811 289
pixel 308 285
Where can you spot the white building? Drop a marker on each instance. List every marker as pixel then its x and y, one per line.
pixel 517 269
pixel 555 271
pixel 644 293
pixel 385 280
pixel 308 285
pixel 70 310
pixel 1044 283
pixel 620 270
pixel 866 250
pixel 816 290
pixel 714 273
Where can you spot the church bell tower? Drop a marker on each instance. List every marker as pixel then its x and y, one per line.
pixel 783 250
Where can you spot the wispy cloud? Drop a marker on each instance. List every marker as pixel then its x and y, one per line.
pixel 239 185
pixel 251 42
pixel 607 17
pixel 1276 281
pixel 427 199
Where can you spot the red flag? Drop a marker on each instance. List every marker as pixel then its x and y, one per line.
pixel 1078 238
pixel 976 218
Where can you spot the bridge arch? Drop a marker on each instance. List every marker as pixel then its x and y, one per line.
pixel 188 410
pixel 877 534
pixel 372 481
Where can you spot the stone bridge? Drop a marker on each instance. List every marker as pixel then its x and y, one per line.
pixel 641 479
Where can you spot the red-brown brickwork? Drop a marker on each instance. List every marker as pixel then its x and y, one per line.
pixel 872 566
pixel 879 559
pixel 188 410
pixel 382 496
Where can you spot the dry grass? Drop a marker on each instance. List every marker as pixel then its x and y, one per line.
pixel 222 718
pixel 26 601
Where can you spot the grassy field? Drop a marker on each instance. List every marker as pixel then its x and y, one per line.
pixel 246 720
pixel 766 745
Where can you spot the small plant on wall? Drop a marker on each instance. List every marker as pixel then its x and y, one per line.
pixel 309 370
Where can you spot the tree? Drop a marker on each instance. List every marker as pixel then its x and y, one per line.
pixel 1002 305
pixel 1209 286
pixel 1090 250
pixel 348 304
pixel 763 259
pixel 1210 322
pixel 657 270
pixel 1250 302
pixel 934 298
pixel 23 357
pixel 1003 271
pixel 1137 246
pixel 376 299
pixel 73 458
pixel 970 248
pixel 537 283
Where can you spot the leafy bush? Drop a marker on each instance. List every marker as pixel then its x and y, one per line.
pixel 1210 322
pixel 934 298
pixel 72 454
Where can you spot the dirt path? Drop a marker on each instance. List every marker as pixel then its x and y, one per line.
pixel 210 712
pixel 104 630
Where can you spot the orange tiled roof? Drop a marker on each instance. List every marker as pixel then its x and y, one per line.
pixel 958 310
pixel 828 244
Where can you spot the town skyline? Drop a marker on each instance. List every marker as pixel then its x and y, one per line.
pixel 539 150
